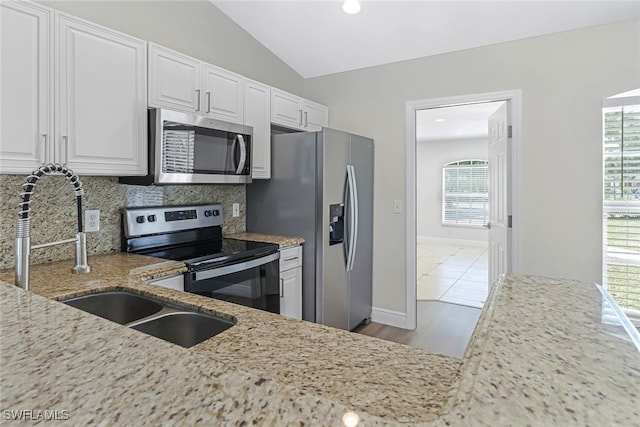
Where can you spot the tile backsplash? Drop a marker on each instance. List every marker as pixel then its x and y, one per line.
pixel 53 211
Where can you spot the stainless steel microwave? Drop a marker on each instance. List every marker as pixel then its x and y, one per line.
pixel 190 149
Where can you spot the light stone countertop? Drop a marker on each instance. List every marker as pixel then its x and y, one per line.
pixel 256 370
pixel 539 356
pixel 283 241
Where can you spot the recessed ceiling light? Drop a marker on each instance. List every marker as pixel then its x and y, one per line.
pixel 459 133
pixel 440 120
pixel 351 7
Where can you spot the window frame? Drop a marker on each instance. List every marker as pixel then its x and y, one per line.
pixel 473 222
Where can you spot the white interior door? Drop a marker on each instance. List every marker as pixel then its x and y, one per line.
pixel 499 193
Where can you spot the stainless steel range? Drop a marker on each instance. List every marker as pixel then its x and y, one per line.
pixel 242 272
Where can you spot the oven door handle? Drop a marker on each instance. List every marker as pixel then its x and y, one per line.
pixel 234 268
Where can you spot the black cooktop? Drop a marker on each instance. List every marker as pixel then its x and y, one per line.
pixel 213 253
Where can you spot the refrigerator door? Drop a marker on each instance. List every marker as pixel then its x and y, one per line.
pixel 286 203
pixel 361 274
pixel 331 276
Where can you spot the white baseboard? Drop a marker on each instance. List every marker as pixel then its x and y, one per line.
pixel 389 317
pixel 449 241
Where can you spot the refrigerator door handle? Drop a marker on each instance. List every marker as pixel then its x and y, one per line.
pixel 353 216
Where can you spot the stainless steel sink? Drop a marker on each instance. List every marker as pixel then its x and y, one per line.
pixel 169 322
pixel 184 328
pixel 117 306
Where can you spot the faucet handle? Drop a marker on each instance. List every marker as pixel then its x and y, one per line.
pixel 82 265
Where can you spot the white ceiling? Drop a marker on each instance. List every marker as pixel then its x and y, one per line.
pixel 317 38
pixel 457 122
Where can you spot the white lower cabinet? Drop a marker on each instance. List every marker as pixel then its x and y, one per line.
pixel 291 282
pixel 175 281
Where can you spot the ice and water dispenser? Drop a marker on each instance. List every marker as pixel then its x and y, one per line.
pixel 336 224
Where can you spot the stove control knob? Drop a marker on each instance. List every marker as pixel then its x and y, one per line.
pixel 207 213
pixel 151 218
pixel 216 212
pixel 140 219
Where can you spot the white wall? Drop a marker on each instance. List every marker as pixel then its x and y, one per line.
pixel 430 157
pixel 563 78
pixel 196 28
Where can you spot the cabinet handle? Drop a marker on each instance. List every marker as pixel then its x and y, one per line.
pixel 65 140
pixel 281 288
pixel 290 259
pixel 208 102
pixel 198 100
pixel 306 119
pixel 300 117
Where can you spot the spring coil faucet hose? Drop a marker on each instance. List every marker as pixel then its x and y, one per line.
pixel 23 228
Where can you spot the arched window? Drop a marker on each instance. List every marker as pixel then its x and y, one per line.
pixel 465 193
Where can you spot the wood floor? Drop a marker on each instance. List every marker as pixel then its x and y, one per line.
pixel 441 328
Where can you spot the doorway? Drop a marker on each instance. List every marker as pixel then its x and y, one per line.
pixel 513 101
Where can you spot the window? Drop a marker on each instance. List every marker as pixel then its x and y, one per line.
pixel 621 203
pixel 465 193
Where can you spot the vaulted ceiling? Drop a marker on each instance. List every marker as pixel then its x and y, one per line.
pixel 317 38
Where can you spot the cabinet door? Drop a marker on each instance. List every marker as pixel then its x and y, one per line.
pixel 316 116
pixel 101 96
pixel 286 109
pixel 222 97
pixel 257 114
pixel 26 49
pixel 175 80
pixel 291 293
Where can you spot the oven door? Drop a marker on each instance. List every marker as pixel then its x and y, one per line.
pixel 252 283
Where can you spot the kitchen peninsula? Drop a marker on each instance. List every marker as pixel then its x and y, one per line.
pixel 531 360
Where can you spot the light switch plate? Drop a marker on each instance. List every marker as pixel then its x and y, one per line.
pixel 397 206
pixel 91 220
pixel 236 210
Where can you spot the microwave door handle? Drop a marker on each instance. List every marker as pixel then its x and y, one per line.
pixel 243 154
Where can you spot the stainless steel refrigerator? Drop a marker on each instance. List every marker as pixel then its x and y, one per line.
pixel 321 189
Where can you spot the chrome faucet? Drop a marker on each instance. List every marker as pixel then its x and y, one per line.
pixel 23 229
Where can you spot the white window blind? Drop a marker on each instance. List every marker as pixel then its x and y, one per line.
pixel 621 204
pixel 465 194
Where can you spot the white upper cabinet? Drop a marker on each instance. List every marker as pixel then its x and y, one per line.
pixel 182 83
pixel 101 92
pixel 295 112
pixel 315 116
pixel 26 58
pixel 222 94
pixel 257 114
pixel 286 109
pixel 89 112
pixel 175 80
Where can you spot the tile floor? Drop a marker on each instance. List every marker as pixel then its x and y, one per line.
pixel 452 273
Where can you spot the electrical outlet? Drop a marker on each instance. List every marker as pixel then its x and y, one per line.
pixel 397 206
pixel 236 210
pixel 91 220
